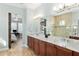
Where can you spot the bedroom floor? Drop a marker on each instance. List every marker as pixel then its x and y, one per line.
pixel 17 50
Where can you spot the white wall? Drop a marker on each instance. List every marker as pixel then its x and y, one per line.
pixel 33 25
pixel 30 20
pixel 27 24
pixel 75 17
pixel 75 20
pixel 4 10
pixel 20 28
pixel 46 10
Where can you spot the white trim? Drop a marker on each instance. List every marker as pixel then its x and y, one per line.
pixel 4 49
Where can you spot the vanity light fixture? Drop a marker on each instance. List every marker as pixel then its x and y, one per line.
pixel 58 7
pixel 55 8
pixel 68 4
pixel 61 7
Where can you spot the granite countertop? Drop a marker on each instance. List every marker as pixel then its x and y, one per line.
pixel 60 41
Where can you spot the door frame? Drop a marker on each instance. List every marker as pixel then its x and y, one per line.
pixel 9 29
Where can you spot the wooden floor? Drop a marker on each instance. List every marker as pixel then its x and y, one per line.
pixel 17 50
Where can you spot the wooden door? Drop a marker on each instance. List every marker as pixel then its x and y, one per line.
pixel 50 49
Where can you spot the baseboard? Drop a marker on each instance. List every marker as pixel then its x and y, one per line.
pixel 3 49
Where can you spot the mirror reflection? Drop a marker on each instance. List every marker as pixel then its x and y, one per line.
pixel 66 24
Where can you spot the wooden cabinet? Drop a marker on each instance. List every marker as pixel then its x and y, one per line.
pixel 30 42
pixel 36 46
pixel 60 51
pixel 42 47
pixel 50 49
pixel 75 53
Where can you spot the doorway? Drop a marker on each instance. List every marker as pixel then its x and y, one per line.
pixel 15 29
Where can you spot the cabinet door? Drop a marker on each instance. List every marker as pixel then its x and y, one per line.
pixel 36 46
pixel 75 53
pixel 32 43
pixel 42 47
pixel 29 41
pixel 50 49
pixel 63 51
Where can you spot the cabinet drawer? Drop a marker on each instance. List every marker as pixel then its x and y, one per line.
pixel 75 53
pixel 60 51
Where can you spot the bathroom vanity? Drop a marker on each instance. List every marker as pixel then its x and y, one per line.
pixel 51 46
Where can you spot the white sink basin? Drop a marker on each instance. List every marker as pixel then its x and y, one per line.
pixel 60 41
pixel 73 44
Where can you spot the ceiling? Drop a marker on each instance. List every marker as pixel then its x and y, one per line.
pixel 52 7
pixel 32 5
pixel 25 5
pixel 20 5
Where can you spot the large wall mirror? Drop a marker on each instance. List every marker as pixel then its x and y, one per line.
pixel 66 24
